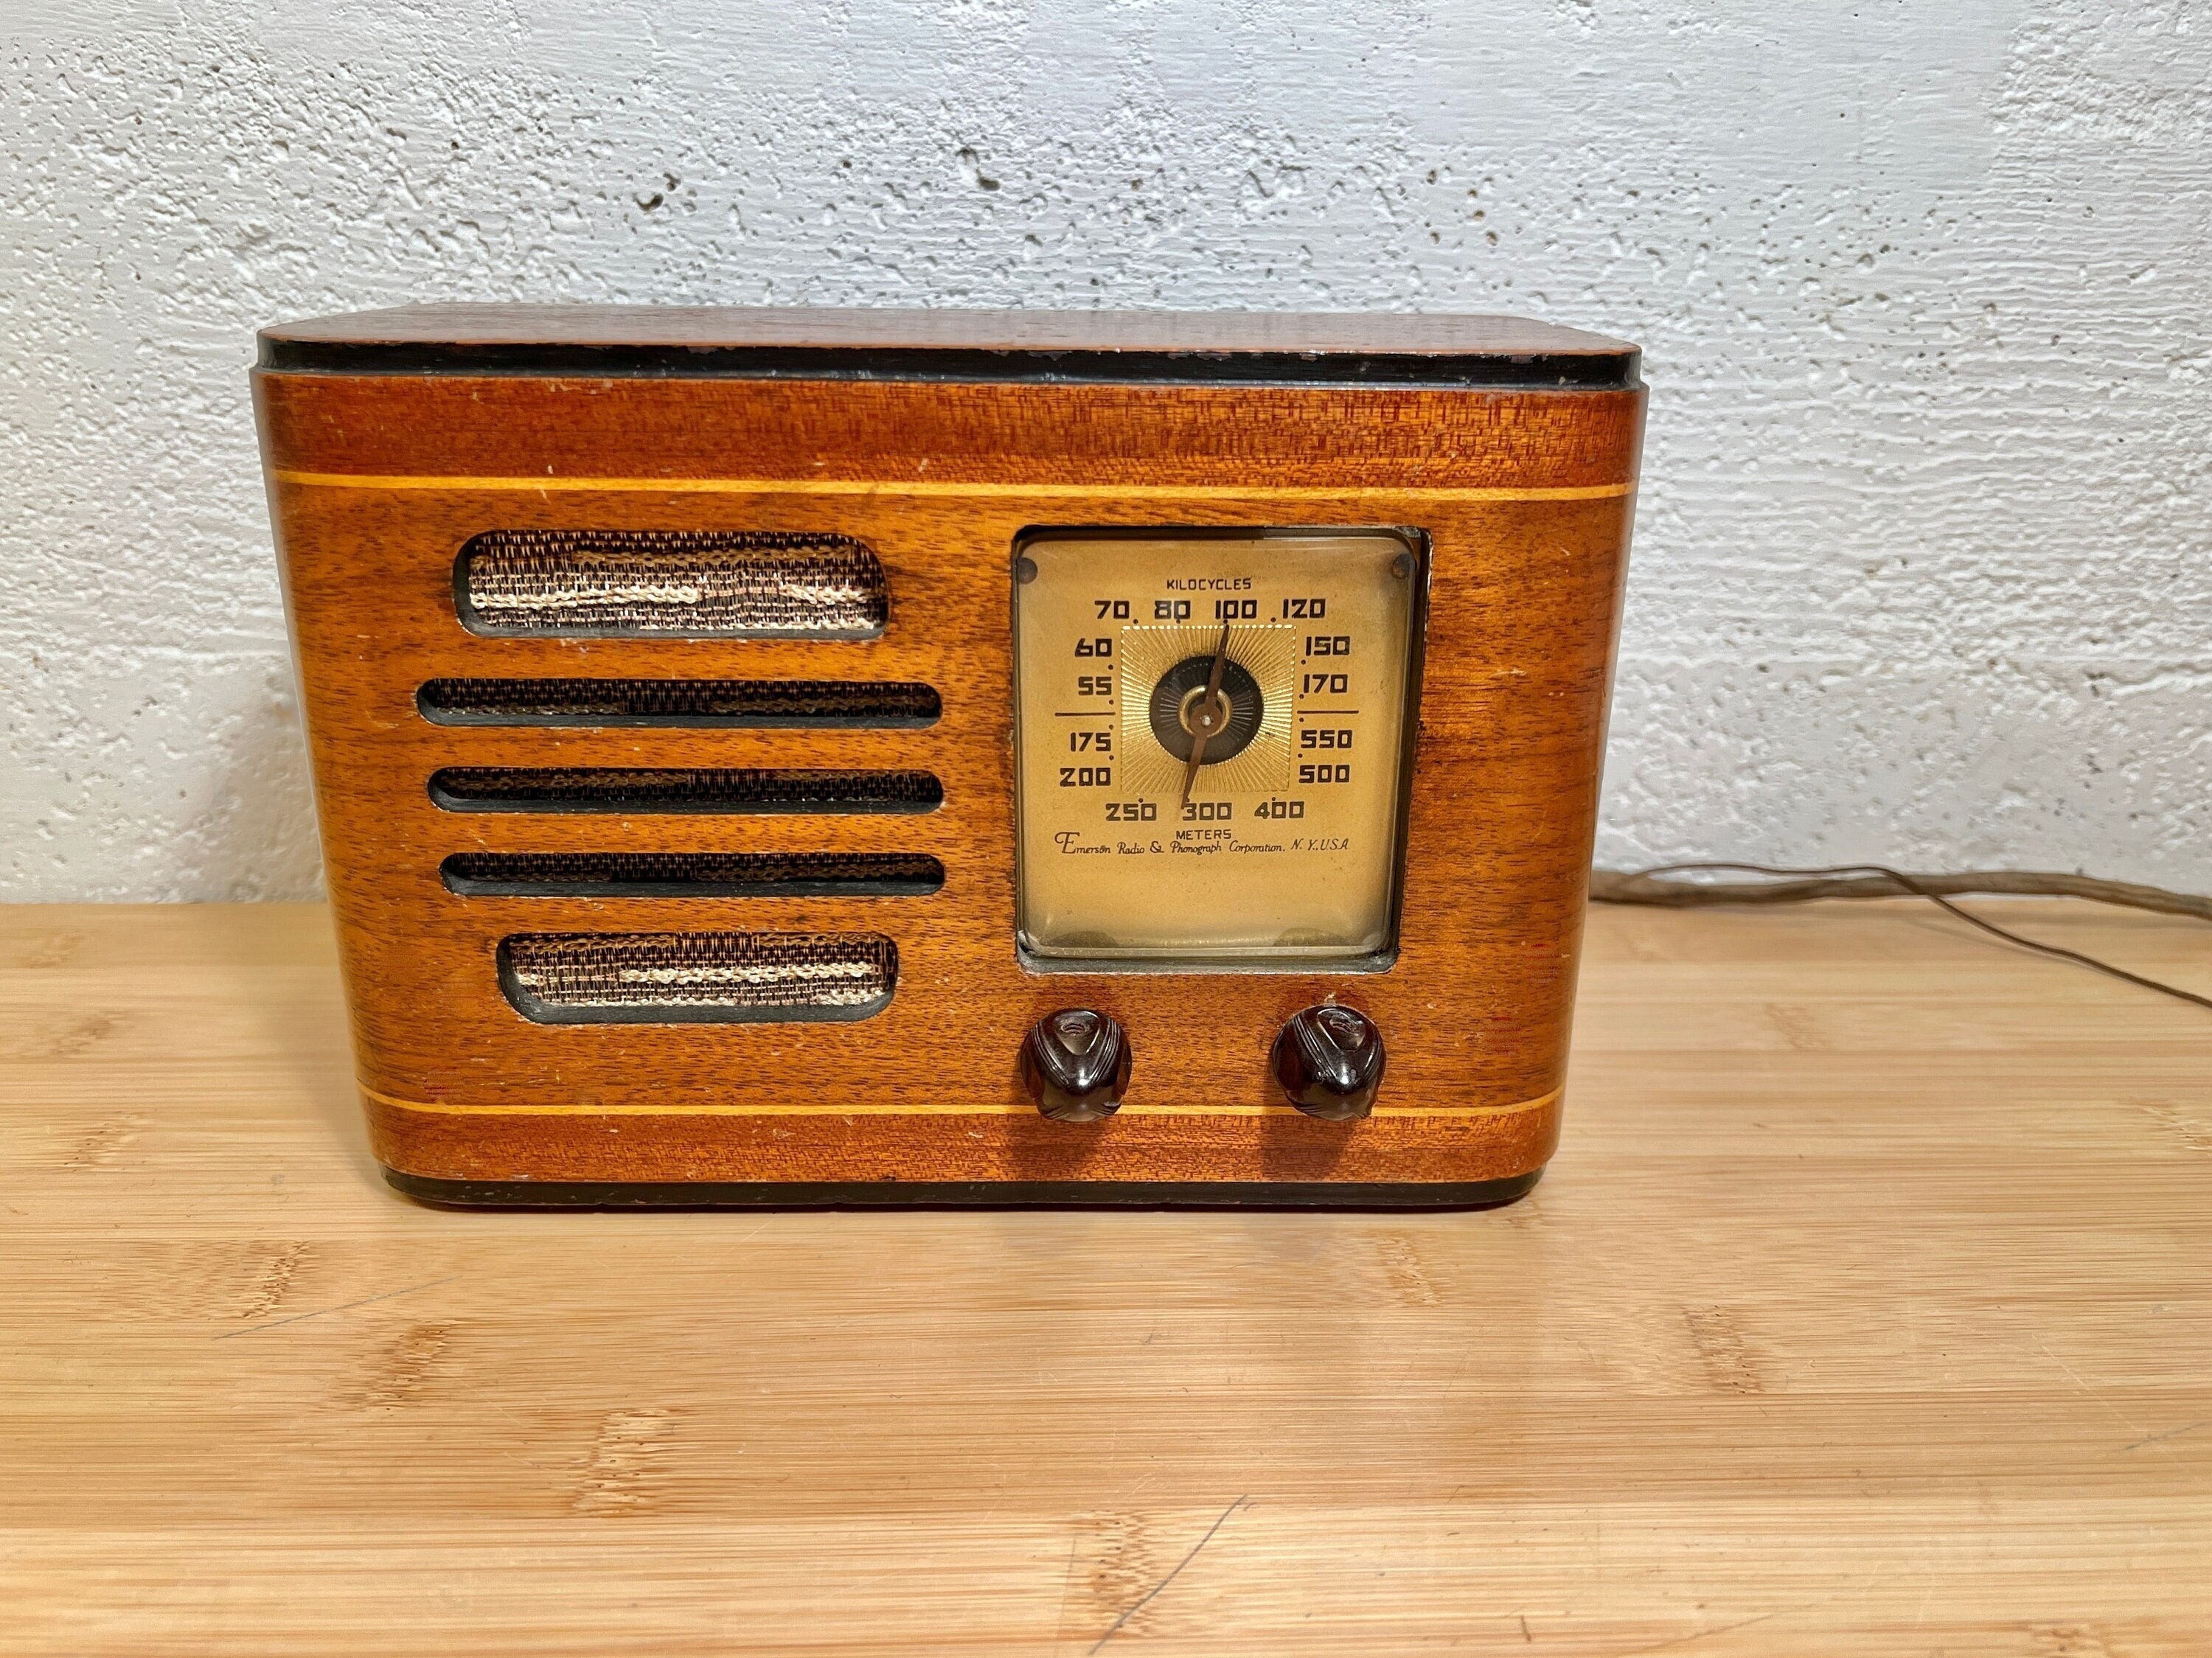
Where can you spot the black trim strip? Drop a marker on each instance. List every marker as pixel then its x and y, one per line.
pixel 962 1194
pixel 692 874
pixel 696 789
pixel 719 704
pixel 1581 371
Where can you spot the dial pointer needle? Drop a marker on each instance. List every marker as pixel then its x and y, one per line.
pixel 1202 725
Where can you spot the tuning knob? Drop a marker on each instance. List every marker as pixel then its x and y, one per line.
pixel 1330 1061
pixel 1075 1063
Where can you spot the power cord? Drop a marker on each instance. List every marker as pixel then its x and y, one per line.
pixel 1650 887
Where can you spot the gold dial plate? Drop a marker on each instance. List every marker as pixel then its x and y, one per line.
pixel 1288 848
pixel 1143 655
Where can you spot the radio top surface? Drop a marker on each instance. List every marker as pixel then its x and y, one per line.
pixel 1287 348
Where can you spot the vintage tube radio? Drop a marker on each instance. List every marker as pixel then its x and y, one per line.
pixel 873 757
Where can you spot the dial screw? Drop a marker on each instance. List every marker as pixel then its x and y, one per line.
pixel 1075 1064
pixel 1329 1062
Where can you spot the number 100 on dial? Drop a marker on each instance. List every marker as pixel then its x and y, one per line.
pixel 1211 733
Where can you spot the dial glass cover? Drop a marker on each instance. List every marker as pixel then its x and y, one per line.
pixel 1210 744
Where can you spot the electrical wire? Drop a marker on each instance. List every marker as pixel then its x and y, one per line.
pixel 1649 887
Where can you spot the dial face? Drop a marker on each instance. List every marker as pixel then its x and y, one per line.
pixel 1210 735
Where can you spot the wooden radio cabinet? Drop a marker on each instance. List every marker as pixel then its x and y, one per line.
pixel 816 756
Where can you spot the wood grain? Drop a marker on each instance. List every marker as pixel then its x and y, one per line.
pixel 378 481
pixel 1342 438
pixel 1863 1312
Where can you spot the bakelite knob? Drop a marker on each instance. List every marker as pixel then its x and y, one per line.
pixel 1075 1063
pixel 1330 1061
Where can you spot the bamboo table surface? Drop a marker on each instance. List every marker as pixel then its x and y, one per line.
pixel 1866 1309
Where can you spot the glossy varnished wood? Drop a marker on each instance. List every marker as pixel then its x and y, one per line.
pixel 378 481
pixel 1863 1312
pixel 1159 447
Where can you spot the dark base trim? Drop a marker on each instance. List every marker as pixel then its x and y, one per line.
pixel 960 1194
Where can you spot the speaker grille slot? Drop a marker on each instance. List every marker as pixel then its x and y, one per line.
pixel 600 584
pixel 689 789
pixel 738 702
pixel 693 874
pixel 658 978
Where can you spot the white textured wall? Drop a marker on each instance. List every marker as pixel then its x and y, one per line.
pixel 1921 568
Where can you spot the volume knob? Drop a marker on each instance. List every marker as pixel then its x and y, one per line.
pixel 1329 1062
pixel 1075 1064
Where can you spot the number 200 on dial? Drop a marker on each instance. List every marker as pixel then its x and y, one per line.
pixel 1211 734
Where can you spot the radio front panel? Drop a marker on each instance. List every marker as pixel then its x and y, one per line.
pixel 715 810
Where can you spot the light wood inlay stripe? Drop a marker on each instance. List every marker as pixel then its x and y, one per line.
pixel 868 486
pixel 774 1109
